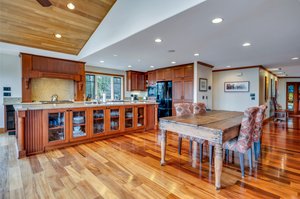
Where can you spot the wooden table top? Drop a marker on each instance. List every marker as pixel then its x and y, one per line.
pixel 221 120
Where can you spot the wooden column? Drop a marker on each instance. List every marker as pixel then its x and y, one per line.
pixel 21 134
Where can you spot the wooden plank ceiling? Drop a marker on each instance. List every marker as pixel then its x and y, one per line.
pixel 27 23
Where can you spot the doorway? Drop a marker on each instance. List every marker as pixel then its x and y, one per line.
pixel 293 97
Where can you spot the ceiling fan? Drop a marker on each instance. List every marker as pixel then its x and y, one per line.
pixel 45 3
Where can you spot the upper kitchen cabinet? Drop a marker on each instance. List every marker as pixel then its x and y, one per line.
pixel 34 66
pixel 183 72
pixel 164 74
pixel 135 81
pixel 151 78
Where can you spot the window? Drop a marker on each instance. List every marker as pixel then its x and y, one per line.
pixel 97 85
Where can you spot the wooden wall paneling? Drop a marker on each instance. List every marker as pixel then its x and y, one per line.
pixel 34 132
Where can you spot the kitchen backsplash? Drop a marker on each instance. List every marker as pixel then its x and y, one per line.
pixel 44 88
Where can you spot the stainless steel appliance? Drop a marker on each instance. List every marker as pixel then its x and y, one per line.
pixel 164 98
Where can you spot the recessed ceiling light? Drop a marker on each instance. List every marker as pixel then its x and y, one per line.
pixel 295 58
pixel 173 62
pixel 115 55
pixel 158 40
pixel 58 36
pixel 228 66
pixel 196 54
pixel 274 69
pixel 217 20
pixel 246 44
pixel 101 61
pixel 71 6
pixel 129 66
pixel 151 66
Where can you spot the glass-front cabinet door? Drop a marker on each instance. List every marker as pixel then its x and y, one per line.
pixel 114 119
pixel 78 124
pixel 140 116
pixel 98 122
pixel 55 130
pixel 129 117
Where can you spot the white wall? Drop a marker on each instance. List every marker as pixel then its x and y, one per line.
pixel 10 75
pixel 281 99
pixel 205 72
pixel 235 101
pixel 262 85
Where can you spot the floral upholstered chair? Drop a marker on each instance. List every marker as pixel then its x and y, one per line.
pixel 183 109
pixel 258 129
pixel 243 142
pixel 199 108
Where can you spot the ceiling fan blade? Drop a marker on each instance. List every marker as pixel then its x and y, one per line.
pixel 45 3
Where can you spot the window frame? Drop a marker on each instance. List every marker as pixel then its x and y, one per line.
pixel 111 75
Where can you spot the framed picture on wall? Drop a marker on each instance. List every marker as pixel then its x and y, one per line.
pixel 202 84
pixel 238 86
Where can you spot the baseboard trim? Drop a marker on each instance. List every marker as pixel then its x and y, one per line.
pixel 1 130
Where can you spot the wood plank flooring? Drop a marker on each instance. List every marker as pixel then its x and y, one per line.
pixel 128 167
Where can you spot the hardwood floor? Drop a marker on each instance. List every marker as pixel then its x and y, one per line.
pixel 129 167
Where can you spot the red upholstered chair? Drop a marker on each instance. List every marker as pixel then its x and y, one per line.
pixel 258 129
pixel 243 143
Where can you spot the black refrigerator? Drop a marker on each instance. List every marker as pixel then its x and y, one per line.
pixel 164 98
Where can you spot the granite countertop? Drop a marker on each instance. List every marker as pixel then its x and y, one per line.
pixel 40 106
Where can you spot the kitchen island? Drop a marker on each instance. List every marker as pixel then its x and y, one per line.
pixel 42 127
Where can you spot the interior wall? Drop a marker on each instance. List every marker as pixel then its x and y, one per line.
pixel 281 99
pixel 238 101
pixel 10 76
pixel 263 99
pixel 205 72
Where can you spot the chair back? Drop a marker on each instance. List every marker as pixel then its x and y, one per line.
pixel 276 105
pixel 182 109
pixel 199 108
pixel 247 128
pixel 259 122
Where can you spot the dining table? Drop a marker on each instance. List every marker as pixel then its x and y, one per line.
pixel 215 126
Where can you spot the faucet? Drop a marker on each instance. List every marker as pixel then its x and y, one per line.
pixel 54 98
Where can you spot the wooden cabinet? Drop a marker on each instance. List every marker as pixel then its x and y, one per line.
pixel 98 122
pixel 129 119
pixel 114 119
pixel 151 117
pixel 151 78
pixel 183 72
pixel 63 126
pixel 140 116
pixel 164 74
pixel 135 81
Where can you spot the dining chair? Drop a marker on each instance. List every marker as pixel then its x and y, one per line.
pixel 258 130
pixel 279 113
pixel 183 109
pixel 243 143
pixel 198 108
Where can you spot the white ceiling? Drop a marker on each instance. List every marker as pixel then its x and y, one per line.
pixel 129 30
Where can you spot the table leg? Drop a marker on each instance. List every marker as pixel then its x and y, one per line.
pixel 218 165
pixel 194 156
pixel 163 140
